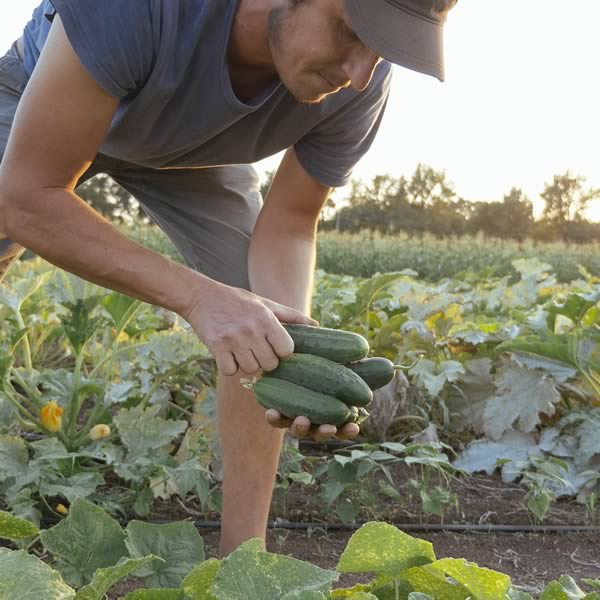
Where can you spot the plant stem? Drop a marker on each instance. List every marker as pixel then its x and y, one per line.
pixel 75 398
pixel 25 339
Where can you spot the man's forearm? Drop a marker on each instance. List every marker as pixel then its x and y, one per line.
pixel 281 268
pixel 65 231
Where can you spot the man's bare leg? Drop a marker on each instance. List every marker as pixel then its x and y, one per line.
pixel 251 449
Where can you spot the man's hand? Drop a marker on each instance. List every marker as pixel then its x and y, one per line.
pixel 243 331
pixel 300 427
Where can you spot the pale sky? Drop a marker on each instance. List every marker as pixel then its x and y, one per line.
pixel 520 102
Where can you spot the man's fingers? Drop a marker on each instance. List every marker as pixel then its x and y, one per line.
pixel 300 427
pixel 226 363
pixel 348 432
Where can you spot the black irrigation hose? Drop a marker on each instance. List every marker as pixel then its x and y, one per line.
pixel 426 527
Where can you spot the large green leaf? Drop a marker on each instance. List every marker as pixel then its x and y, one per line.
pixel 167 350
pixel 105 578
pixel 80 485
pixel 142 430
pixel 86 540
pixel 178 544
pixel 522 395
pixel 25 577
pixel 267 576
pixel 13 528
pixel 383 548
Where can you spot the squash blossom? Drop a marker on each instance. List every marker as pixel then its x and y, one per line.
pixel 62 509
pixel 99 431
pixel 51 416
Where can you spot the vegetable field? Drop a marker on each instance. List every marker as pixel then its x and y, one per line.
pixel 107 431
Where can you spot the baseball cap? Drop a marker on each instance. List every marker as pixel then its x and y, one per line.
pixel 406 32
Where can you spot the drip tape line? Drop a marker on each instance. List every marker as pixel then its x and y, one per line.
pixel 430 527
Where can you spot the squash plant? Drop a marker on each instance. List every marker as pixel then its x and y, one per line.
pixel 89 552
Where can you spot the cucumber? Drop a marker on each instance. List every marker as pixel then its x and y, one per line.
pixel 376 372
pixel 335 344
pixel 293 400
pixel 323 375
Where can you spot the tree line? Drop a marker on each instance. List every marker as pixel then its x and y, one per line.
pixel 424 203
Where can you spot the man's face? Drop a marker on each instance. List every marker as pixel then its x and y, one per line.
pixel 315 51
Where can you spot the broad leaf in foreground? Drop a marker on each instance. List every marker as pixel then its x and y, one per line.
pixel 267 576
pixel 25 577
pixel 86 540
pixel 383 548
pixel 178 544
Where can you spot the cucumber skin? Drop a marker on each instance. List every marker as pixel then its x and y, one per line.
pixel 323 375
pixel 293 400
pixel 335 344
pixel 376 371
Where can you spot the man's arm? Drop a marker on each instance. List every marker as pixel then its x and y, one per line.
pixel 283 255
pixel 61 121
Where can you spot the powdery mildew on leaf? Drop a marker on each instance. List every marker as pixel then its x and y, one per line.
pixel 522 395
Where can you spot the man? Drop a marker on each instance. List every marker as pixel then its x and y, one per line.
pixel 174 100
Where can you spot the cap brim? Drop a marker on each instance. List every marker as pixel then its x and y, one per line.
pixel 399 36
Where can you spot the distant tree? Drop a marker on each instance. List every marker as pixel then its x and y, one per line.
pixel 107 197
pixel 428 187
pixel 511 218
pixel 566 201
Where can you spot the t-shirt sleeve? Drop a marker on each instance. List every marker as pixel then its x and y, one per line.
pixel 114 39
pixel 330 151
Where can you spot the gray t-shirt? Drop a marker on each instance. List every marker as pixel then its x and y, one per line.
pixel 166 60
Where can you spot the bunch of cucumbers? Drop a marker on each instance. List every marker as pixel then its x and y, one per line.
pixel 327 378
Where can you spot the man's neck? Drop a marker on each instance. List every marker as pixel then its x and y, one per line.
pixel 251 68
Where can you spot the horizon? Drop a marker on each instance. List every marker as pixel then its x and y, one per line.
pixel 518 105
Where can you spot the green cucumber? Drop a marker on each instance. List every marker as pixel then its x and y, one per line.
pixel 335 344
pixel 323 375
pixel 293 400
pixel 376 371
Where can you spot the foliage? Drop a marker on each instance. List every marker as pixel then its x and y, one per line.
pixel 399 567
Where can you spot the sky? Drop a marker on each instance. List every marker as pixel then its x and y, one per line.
pixel 520 103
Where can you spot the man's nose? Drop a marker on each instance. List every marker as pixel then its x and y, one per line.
pixel 359 68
